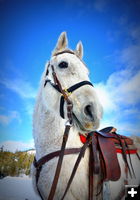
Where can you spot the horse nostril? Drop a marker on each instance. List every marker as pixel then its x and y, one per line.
pixel 89 111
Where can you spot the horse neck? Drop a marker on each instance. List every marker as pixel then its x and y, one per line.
pixel 48 130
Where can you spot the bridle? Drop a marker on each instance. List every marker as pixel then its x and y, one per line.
pixel 57 85
pixel 91 141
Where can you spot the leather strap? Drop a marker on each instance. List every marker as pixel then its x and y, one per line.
pixel 91 164
pixel 78 85
pixel 65 51
pixel 129 158
pixel 39 164
pixel 81 154
pixel 59 164
pixel 95 156
pixel 52 155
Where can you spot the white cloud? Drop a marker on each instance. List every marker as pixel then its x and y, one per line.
pixel 130 55
pixel 21 87
pixel 120 94
pixel 121 89
pixel 105 97
pixel 7 119
pixel 120 97
pixel 17 145
pixel 123 127
pixel 24 90
pixel 124 87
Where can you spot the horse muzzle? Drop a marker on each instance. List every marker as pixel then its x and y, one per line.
pixel 86 120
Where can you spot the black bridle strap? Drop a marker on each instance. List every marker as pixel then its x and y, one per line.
pixel 62 107
pixel 70 90
pixel 78 85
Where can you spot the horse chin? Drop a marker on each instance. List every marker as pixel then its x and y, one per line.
pixel 84 128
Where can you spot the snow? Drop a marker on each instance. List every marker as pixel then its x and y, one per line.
pixel 17 188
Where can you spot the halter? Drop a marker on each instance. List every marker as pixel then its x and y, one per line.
pixel 57 85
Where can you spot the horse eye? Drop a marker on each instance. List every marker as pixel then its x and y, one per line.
pixel 63 64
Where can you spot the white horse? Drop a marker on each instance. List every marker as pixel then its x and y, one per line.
pixel 49 126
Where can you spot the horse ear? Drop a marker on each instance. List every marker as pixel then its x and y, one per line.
pixel 61 43
pixel 79 49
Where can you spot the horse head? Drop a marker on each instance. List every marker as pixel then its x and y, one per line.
pixel 71 71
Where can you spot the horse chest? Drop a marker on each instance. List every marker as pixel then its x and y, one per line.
pixel 79 186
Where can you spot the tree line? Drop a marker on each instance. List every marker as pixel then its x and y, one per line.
pixel 14 164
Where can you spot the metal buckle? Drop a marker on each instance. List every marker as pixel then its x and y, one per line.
pixel 67 93
pixel 67 123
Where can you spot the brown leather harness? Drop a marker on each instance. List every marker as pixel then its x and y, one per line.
pixel 104 142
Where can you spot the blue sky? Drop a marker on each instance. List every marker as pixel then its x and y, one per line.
pixel 110 32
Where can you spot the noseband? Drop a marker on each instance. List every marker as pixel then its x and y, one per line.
pixel 58 87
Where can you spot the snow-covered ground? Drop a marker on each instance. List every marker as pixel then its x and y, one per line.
pixel 17 188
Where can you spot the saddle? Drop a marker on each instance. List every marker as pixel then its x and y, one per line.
pixel 108 143
pixel 104 146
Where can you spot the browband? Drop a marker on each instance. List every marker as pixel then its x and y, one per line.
pixel 65 51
